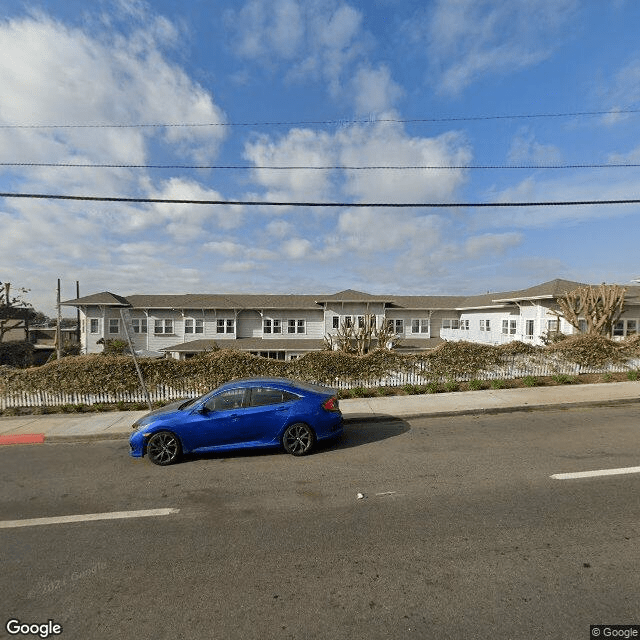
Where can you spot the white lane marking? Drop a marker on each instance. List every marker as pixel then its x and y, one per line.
pixel 593 474
pixel 86 517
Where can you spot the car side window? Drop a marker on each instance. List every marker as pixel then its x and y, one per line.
pixel 227 400
pixel 264 396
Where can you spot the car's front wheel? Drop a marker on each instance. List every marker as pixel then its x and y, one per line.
pixel 163 448
pixel 298 439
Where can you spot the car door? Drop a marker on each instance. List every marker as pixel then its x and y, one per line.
pixel 268 411
pixel 220 420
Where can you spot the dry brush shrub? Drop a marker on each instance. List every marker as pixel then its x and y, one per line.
pixel 517 348
pixel 631 346
pixel 589 350
pixel 451 359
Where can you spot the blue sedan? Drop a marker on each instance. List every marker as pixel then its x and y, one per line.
pixel 257 412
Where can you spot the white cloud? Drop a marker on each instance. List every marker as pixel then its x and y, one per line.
pixel 297 248
pixel 368 231
pixel 467 39
pixel 374 90
pixel 53 74
pixel 623 93
pixel 525 149
pixel 491 244
pixel 317 40
pixel 300 147
pixel 188 221
pixel 380 144
pixel 571 187
pixel 385 144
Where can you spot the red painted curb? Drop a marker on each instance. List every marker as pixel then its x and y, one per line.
pixel 23 438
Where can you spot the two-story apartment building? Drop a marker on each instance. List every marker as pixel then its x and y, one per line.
pixel 288 326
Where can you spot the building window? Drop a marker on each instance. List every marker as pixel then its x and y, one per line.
pixel 450 323
pixel 632 327
pixel 420 325
pixel 271 326
pixel 530 328
pixel 485 325
pixel 139 325
pixel 509 327
pixel 163 326
pixel 464 325
pixel 296 326
pixel 335 322
pixel 618 328
pixel 94 325
pixel 114 325
pixel 225 325
pixel 553 326
pixel 396 325
pixel 348 322
pixel 272 355
pixel 192 325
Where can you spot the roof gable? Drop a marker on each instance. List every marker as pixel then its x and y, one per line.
pixel 351 295
pixel 105 298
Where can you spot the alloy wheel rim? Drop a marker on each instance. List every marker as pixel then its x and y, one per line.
pixel 163 448
pixel 298 439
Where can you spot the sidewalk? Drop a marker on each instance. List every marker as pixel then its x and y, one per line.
pixel 117 424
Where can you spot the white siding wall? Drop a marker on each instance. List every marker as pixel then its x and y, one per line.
pixel 249 324
pixel 537 312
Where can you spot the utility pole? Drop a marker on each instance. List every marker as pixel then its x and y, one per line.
pixel 78 312
pixel 58 328
pixel 128 330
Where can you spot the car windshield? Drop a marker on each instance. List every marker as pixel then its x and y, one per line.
pixel 189 403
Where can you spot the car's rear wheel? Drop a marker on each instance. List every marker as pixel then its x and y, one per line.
pixel 298 439
pixel 163 448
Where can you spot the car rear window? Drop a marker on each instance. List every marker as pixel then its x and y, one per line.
pixel 262 396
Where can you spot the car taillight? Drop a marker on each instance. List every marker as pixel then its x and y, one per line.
pixel 331 404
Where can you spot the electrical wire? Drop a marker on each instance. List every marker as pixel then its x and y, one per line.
pixel 338 122
pixel 323 167
pixel 256 203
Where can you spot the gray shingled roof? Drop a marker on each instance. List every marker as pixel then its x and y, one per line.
pixel 223 301
pixel 350 295
pixel 104 298
pixel 551 289
pixel 426 302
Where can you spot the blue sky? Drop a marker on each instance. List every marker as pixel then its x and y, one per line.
pixel 403 83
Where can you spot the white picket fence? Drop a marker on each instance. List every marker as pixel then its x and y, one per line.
pixel 518 367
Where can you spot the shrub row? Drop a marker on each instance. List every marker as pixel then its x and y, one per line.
pixel 115 373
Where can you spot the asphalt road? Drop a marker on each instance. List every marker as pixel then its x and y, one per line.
pixel 461 533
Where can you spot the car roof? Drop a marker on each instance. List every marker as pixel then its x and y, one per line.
pixel 278 382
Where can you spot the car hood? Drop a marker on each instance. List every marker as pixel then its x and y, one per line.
pixel 168 409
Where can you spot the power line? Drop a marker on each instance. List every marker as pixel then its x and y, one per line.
pixel 336 122
pixel 255 203
pixel 323 167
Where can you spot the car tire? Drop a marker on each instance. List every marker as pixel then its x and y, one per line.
pixel 298 439
pixel 163 448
